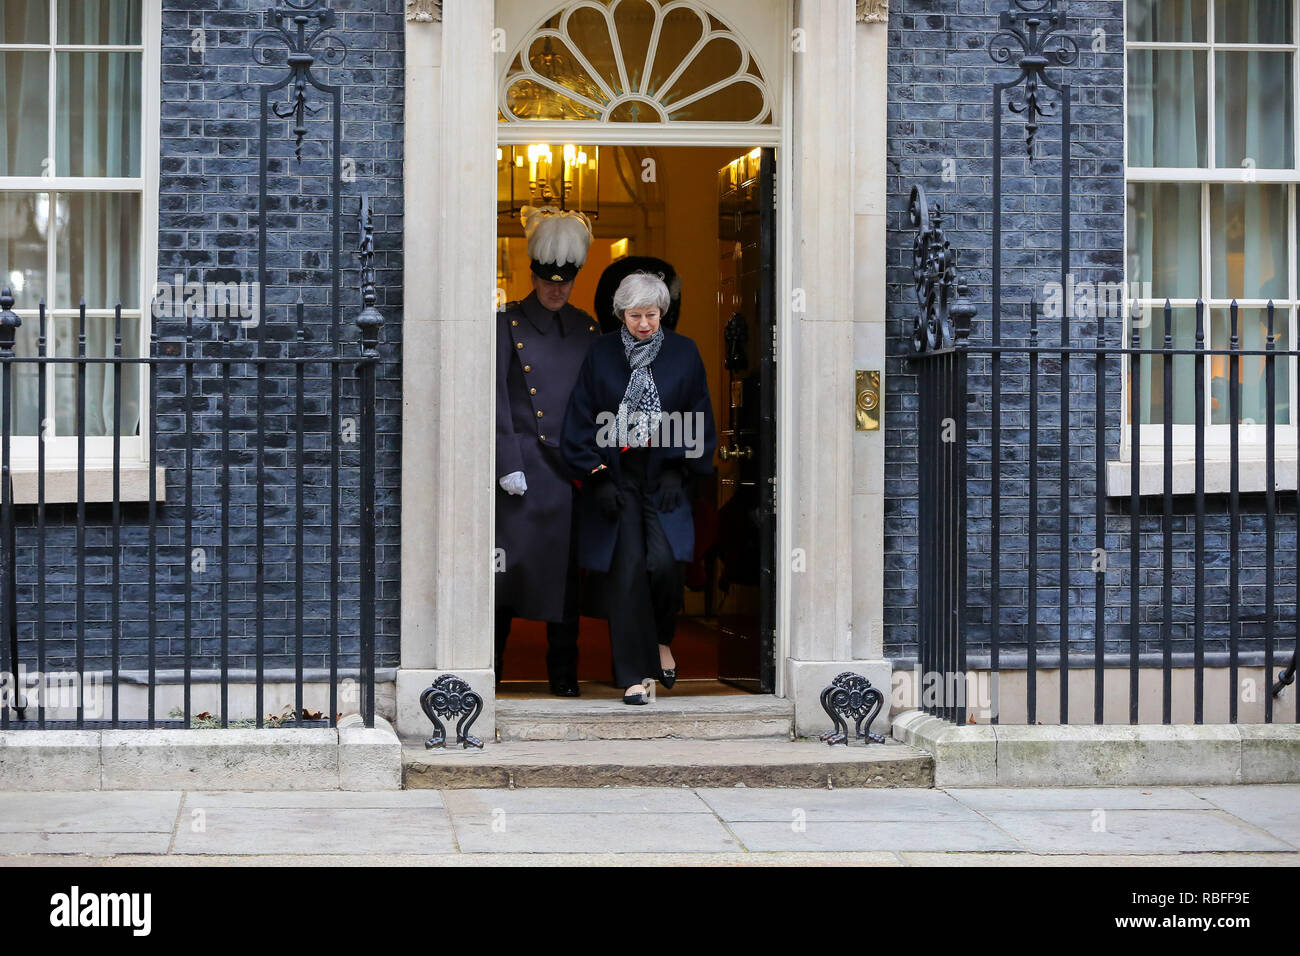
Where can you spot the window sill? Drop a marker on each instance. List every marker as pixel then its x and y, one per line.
pixel 1218 475
pixel 61 482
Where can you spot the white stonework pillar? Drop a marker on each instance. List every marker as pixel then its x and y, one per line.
pixel 447 448
pixel 830 598
pixel 869 347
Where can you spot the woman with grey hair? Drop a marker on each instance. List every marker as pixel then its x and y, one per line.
pixel 639 427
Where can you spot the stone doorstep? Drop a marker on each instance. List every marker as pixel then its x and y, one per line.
pixel 1110 755
pixel 349 757
pixel 701 718
pixel 763 762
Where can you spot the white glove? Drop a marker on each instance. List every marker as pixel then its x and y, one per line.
pixel 514 483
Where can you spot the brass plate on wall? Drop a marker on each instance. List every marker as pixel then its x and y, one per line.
pixel 866 402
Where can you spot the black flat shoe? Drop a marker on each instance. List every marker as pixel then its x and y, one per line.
pixel 641 698
pixel 668 677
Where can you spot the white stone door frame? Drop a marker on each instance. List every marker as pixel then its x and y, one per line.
pixel 827 476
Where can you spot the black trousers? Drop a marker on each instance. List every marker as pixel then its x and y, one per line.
pixel 644 583
pixel 562 635
pixel 561 645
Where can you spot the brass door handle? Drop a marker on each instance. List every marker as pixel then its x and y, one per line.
pixel 735 451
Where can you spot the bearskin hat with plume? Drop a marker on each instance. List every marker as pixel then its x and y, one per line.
pixel 557 241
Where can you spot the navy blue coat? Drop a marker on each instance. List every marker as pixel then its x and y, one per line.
pixel 683 388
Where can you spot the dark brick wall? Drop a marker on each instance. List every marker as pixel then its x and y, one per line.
pixel 207 231
pixel 940 93
pixel 940 78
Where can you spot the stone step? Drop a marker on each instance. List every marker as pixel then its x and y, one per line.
pixel 765 762
pixel 698 718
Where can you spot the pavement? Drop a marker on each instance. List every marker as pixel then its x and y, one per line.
pixel 1178 826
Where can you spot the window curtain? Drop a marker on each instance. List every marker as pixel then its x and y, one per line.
pixel 24 112
pixel 99 244
pixel 1249 243
pixel 97 133
pixel 97 127
pixel 22 263
pixel 1164 224
pixel 1167 128
pixel 24 98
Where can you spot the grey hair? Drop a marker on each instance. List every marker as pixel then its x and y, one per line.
pixel 641 289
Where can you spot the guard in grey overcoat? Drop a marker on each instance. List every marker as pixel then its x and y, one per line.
pixel 540 349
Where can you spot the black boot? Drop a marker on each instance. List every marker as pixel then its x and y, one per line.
pixel 501 624
pixel 562 657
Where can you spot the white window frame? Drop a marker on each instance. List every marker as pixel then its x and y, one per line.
pixel 61 451
pixel 1251 438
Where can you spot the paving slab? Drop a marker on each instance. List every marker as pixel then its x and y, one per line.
pixel 635 833
pixel 857 836
pixel 102 844
pixel 316 799
pixel 95 812
pixel 1078 798
pixel 475 860
pixel 816 858
pixel 1181 860
pixel 1132 831
pixel 1162 826
pixel 262 830
pixel 466 804
pixel 1271 807
pixel 780 806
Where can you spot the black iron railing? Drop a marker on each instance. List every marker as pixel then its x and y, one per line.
pixel 194 369
pixel 1141 590
pixel 1043 568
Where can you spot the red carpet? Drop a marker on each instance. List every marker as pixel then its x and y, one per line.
pixel 695 647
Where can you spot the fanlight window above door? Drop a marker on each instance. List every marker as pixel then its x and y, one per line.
pixel 634 61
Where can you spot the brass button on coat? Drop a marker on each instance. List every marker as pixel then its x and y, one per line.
pixel 528 368
pixel 519 345
pixel 539 413
pixel 542 437
pixel 514 321
pixel 532 391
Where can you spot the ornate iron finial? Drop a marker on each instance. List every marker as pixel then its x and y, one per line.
pixel 289 25
pixel 366 230
pixel 1032 25
pixel 934 275
pixel 369 321
pixel 850 696
pixel 9 322
pixel 450 697
pixel 962 312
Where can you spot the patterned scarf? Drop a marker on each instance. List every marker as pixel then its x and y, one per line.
pixel 641 398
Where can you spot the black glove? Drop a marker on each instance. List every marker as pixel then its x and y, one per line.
pixel 608 499
pixel 670 489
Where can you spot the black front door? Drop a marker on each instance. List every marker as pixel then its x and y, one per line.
pixel 745 583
